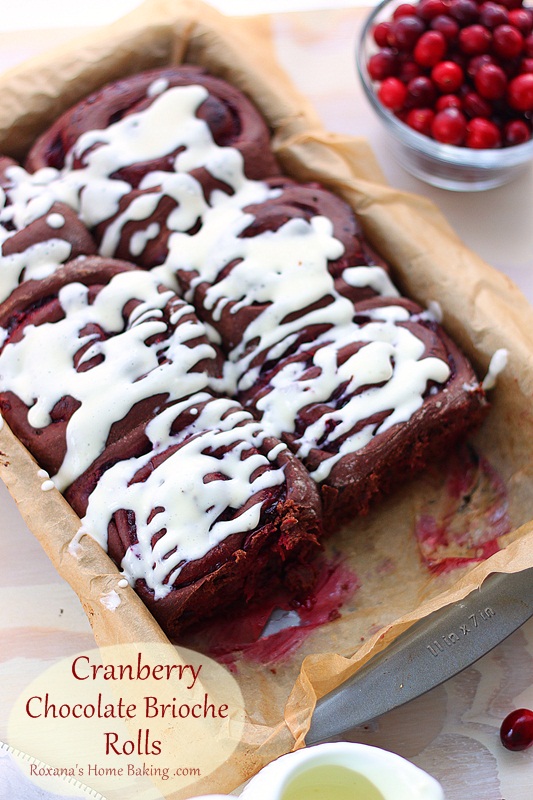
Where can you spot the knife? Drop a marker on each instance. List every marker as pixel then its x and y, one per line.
pixel 431 651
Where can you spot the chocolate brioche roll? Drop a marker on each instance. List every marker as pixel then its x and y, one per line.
pixel 293 245
pixel 200 510
pixel 37 233
pixel 232 120
pixel 369 403
pixel 90 353
pixel 291 200
pixel 41 247
pixel 147 217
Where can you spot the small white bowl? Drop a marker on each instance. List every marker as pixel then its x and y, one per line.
pixel 341 771
pixel 442 165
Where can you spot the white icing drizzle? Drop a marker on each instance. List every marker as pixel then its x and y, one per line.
pixel 123 583
pixel 188 507
pixel 157 86
pixel 391 356
pixel 55 220
pixel 38 261
pixel 47 486
pixel 287 270
pixel 374 277
pixel 130 370
pixel 110 600
pixel 498 363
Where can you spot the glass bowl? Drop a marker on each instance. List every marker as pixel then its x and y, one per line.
pixel 443 165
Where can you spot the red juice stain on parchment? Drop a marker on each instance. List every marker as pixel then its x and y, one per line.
pixel 466 515
pixel 243 635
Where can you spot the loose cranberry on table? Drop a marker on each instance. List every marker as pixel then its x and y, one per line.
pixel 471 58
pixel 516 731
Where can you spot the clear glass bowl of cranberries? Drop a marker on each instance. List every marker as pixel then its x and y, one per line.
pixel 452 80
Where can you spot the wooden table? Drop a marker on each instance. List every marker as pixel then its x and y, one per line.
pixel 452 731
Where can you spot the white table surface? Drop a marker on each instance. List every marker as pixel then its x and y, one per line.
pixel 452 731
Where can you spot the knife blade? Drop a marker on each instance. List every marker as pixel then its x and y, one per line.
pixel 429 653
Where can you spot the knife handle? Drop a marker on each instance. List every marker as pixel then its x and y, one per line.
pixel 431 651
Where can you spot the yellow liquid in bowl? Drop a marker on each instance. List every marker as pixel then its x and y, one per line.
pixel 331 783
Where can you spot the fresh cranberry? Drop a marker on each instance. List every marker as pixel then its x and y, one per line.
pixel 464 11
pixel 380 32
pixel 474 40
pixel 449 126
pixel 404 10
pixel 430 49
pixel 405 32
pixel 428 9
pixel 511 3
pixel 482 134
pixel 508 42
pixel 520 92
pixel 516 131
pixel 382 64
pixel 522 19
pixel 448 101
pixel 478 61
pixel 476 106
pixel 445 25
pixel 420 92
pixel 460 71
pixel 493 14
pixel 490 81
pixel 526 65
pixel 392 93
pixel 407 69
pixel 421 119
pixel 516 731
pixel 447 76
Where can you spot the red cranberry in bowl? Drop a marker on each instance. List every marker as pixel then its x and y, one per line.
pixel 493 14
pixel 392 94
pixel 446 25
pixel 482 134
pixel 520 92
pixel 381 33
pixel 449 126
pixel 464 11
pixel 448 101
pixel 420 92
pixel 507 41
pixel 447 76
pixel 421 120
pixel 522 18
pixel 383 64
pixel 490 82
pixel 404 10
pixel 429 49
pixel 463 77
pixel 516 131
pixel 476 106
pixel 405 32
pixel 475 40
pixel 429 9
